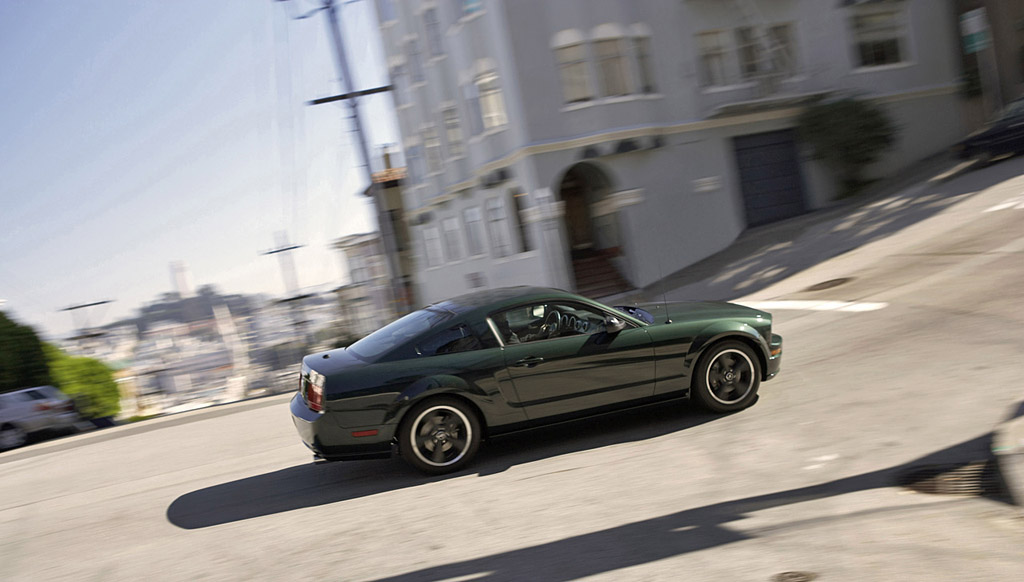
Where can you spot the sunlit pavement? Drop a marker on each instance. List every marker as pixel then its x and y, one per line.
pixel 804 481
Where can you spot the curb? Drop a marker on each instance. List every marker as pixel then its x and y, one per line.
pixel 99 435
pixel 1008 449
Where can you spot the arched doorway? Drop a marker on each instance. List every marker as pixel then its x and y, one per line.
pixel 592 229
pixel 582 186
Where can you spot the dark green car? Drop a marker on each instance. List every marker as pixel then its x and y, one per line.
pixel 439 380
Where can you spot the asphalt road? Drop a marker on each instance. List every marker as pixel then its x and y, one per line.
pixel 805 480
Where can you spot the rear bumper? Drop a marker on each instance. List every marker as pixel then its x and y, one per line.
pixel 332 442
pixel 774 357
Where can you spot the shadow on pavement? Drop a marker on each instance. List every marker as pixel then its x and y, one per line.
pixel 667 536
pixel 763 256
pixel 312 485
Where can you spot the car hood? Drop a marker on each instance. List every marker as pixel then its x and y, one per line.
pixel 982 133
pixel 680 310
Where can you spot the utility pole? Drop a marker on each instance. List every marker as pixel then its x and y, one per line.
pixel 83 331
pixel 291 283
pixel 387 232
pixel 283 250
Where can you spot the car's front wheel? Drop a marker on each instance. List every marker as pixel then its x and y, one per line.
pixel 11 437
pixel 440 435
pixel 727 377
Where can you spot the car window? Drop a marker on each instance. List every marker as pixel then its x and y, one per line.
pixel 548 320
pixel 36 395
pixel 1012 111
pixel 398 332
pixel 450 341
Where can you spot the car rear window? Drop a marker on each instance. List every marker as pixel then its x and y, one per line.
pixel 450 341
pixel 398 332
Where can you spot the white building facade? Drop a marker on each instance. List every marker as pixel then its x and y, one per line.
pixel 546 138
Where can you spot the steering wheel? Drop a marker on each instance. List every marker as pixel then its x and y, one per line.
pixel 551 324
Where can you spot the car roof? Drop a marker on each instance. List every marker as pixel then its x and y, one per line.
pixel 493 299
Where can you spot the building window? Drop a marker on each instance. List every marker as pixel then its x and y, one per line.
pixel 452 132
pixel 611 67
pixel 712 47
pixel 879 37
pixel 415 61
pixel 386 9
pixel 471 6
pixel 450 228
pixel 474 230
pixel 432 246
pixel 492 104
pixel 398 78
pixel 357 270
pixel 433 28
pixel 642 50
pixel 432 146
pixel 782 49
pixel 572 63
pixel 414 154
pixel 748 52
pixel 519 220
pixel 472 99
pixel 500 243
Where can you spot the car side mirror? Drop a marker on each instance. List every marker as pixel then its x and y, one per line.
pixel 613 324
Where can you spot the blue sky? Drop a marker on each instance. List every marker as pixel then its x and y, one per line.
pixel 136 133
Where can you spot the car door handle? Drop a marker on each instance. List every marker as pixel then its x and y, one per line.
pixel 528 362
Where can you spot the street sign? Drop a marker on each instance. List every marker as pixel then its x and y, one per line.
pixel 974 30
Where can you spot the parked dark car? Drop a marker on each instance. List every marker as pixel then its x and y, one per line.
pixel 1003 135
pixel 436 382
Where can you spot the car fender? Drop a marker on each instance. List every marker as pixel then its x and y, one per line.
pixel 723 330
pixel 430 386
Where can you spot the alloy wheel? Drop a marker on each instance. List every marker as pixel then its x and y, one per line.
pixel 730 376
pixel 441 435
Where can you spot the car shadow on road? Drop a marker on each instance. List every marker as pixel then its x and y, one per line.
pixel 310 485
pixel 674 534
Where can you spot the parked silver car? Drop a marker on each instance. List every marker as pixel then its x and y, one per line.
pixel 33 410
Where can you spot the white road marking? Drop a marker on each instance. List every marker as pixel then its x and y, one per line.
pixel 1016 202
pixel 820 462
pixel 847 306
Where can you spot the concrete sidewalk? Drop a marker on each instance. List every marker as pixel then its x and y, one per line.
pixel 766 256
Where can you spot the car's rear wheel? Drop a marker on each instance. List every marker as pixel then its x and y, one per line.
pixel 727 377
pixel 983 159
pixel 11 437
pixel 440 435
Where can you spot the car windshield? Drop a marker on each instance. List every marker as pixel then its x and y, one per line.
pixel 1013 110
pixel 399 331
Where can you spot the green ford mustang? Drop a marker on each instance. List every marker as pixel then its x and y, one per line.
pixel 439 380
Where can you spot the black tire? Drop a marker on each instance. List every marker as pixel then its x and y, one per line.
pixel 727 377
pixel 984 159
pixel 12 437
pixel 440 435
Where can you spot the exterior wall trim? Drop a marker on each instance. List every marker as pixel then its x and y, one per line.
pixel 687 127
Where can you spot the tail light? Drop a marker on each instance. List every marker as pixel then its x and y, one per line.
pixel 313 390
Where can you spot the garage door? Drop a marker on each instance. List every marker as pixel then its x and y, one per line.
pixel 770 180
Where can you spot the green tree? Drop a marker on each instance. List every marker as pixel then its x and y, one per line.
pixel 90 382
pixel 22 361
pixel 848 134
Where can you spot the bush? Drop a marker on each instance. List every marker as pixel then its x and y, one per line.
pixel 89 382
pixel 848 134
pixel 22 361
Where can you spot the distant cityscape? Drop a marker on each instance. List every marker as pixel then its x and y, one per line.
pixel 192 349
